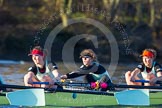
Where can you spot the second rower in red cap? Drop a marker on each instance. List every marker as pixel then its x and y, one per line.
pixel 42 71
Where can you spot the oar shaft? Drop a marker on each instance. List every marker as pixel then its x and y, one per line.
pixel 146 81
pixel 84 84
pixel 135 86
pixel 57 90
pixel 15 86
pixel 142 81
pixel 46 83
pixel 111 86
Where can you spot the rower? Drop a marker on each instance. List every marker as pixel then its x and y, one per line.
pixel 91 70
pixel 42 71
pixel 149 70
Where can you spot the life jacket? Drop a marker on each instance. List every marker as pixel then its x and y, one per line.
pixel 145 73
pixel 47 72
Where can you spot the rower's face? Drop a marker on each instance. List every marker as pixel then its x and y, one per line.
pixel 147 61
pixel 87 61
pixel 37 59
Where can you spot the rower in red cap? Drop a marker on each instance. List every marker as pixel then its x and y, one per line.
pixel 42 71
pixel 149 69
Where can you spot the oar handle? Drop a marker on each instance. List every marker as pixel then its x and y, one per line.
pixel 146 81
pixel 142 81
pixel 46 83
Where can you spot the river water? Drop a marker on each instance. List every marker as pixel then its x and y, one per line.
pixel 12 72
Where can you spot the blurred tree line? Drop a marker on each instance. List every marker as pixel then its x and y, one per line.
pixel 135 24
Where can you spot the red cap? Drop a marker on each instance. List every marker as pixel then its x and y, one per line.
pixel 36 52
pixel 147 53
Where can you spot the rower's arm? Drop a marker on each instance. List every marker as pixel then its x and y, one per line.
pixel 158 69
pixel 158 78
pixel 74 74
pixel 55 73
pixel 134 74
pixel 54 70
